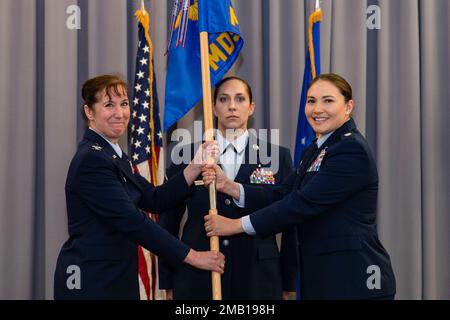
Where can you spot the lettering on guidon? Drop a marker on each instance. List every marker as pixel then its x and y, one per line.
pixel 74 280
pixel 221 49
pixel 374 280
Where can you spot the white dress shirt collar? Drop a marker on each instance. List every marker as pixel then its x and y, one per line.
pixel 239 144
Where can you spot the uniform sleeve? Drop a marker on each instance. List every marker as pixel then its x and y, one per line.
pixel 260 196
pixel 98 186
pixel 169 195
pixel 288 250
pixel 344 172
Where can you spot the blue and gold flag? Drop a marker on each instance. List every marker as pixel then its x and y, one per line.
pixel 184 81
pixel 305 133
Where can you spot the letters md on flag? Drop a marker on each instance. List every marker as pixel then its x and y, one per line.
pixel 183 81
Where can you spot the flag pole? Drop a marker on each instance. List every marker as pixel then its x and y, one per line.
pixel 316 16
pixel 209 136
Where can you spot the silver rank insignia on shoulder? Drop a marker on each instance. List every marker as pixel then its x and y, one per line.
pixel 348 134
pixel 96 147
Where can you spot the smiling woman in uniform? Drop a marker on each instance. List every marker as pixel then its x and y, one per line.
pixel 104 200
pixel 332 198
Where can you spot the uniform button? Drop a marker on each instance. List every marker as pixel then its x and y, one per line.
pixel 227 202
pixel 226 243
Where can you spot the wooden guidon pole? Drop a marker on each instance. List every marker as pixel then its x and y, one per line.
pixel 209 136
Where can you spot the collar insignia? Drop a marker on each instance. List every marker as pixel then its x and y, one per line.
pixel 96 147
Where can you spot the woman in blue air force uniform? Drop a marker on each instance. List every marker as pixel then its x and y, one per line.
pixel 332 198
pixel 256 268
pixel 104 201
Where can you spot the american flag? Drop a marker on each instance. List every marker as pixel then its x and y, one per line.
pixel 146 143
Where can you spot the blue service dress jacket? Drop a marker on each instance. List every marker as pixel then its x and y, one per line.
pixel 332 198
pixel 104 201
pixel 255 267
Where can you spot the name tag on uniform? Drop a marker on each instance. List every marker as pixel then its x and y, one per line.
pixel 199 183
pixel 315 166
